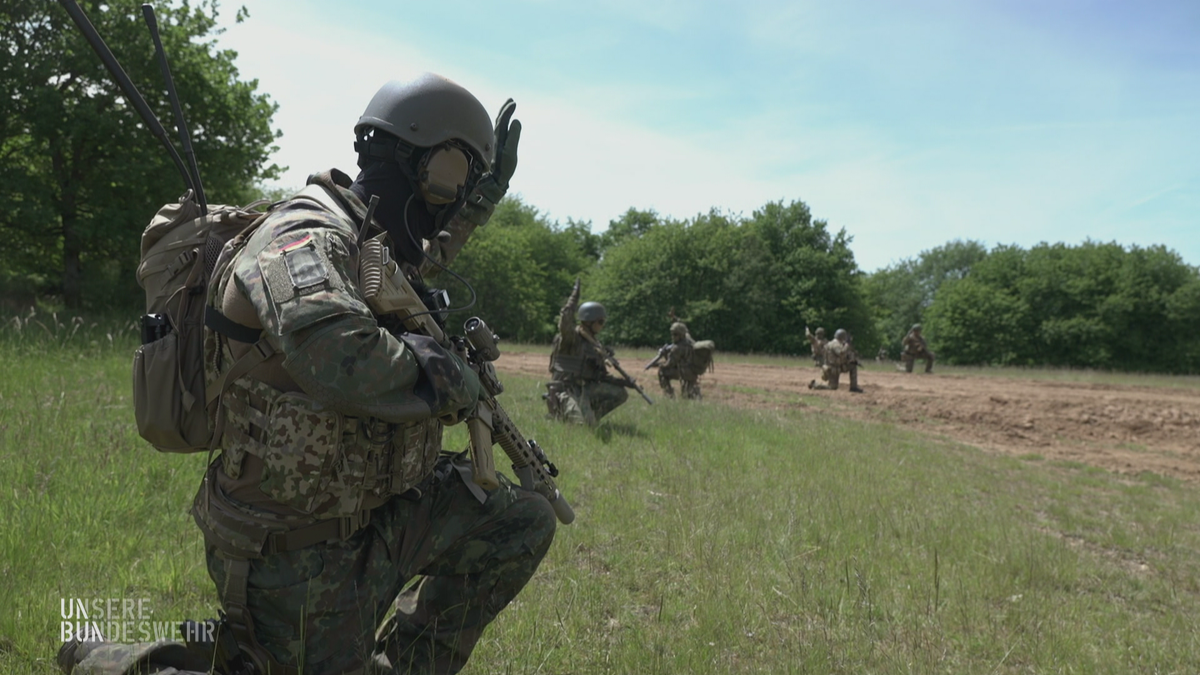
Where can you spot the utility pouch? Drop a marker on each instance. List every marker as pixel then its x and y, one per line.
pixel 301 444
pixel 168 414
pixel 234 533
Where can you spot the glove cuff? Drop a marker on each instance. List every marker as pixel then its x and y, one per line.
pixel 491 190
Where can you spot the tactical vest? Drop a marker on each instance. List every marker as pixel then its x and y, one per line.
pixel 583 361
pixel 315 460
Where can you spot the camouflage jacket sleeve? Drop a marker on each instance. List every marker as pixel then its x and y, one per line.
pixel 839 354
pixel 566 321
pixel 300 272
pixel 445 247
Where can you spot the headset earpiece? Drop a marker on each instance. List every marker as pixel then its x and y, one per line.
pixel 442 174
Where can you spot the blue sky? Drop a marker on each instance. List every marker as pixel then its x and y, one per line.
pixel 907 124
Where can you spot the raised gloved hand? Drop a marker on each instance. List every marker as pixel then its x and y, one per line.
pixel 479 205
pixel 494 185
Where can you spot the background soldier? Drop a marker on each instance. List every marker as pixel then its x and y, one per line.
pixel 581 390
pixel 818 343
pixel 914 348
pixel 684 359
pixel 840 357
pixel 331 493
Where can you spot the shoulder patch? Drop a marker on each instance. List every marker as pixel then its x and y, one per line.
pixel 305 265
pixel 307 280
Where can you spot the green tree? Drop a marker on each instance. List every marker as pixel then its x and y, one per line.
pixel 521 268
pixel 79 173
pixel 632 223
pixel 900 294
pixel 1095 305
pixel 750 284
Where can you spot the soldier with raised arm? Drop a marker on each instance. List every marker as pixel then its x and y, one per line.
pixel 331 491
pixel 581 390
pixel 817 342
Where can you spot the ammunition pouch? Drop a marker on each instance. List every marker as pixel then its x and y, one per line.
pixel 317 460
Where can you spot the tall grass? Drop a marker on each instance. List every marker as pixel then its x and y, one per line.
pixel 708 539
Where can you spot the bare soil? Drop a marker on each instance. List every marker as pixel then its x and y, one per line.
pixel 1122 428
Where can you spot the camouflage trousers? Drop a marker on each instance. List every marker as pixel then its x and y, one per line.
pixel 910 357
pixel 689 382
pixel 583 403
pixel 324 609
pixel 833 374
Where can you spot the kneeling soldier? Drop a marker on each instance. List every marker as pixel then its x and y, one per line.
pixel 840 357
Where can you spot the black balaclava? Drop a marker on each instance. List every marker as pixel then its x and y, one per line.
pixel 396 191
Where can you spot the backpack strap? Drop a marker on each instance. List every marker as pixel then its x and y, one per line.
pixel 260 352
pixel 314 192
pixel 215 320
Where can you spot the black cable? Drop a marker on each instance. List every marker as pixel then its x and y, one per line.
pixel 413 240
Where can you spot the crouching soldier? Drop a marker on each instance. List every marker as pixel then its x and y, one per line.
pixel 581 390
pixel 840 357
pixel 914 348
pixel 684 359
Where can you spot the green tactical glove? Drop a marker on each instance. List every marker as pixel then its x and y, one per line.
pixel 492 187
pixel 447 384
pixel 478 207
pixel 504 163
pixel 462 404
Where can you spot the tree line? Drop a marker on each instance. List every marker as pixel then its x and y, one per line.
pixel 79 176
pixel 79 171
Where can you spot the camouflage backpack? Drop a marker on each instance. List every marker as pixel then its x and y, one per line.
pixel 180 249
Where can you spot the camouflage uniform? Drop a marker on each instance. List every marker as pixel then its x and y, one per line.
pixel 840 357
pixel 679 364
pixel 914 348
pixel 331 493
pixel 817 342
pixel 580 388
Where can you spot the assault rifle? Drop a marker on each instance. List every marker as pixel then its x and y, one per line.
pixel 663 351
pixel 629 381
pixel 388 292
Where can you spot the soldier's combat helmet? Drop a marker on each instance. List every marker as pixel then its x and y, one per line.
pixel 678 329
pixel 916 327
pixel 820 332
pixel 434 113
pixel 841 335
pixel 591 311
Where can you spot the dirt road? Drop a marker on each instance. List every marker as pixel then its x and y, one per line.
pixel 1122 428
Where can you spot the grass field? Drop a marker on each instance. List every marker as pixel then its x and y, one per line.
pixel 708 539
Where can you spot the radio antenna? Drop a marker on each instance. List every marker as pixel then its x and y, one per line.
pixel 131 93
pixel 180 124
